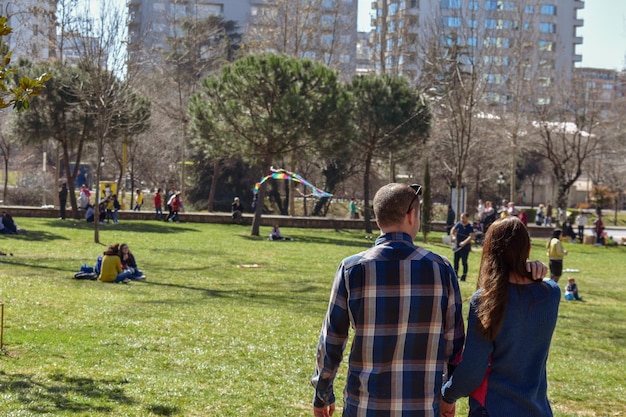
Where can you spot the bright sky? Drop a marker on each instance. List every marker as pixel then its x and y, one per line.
pixel 604 32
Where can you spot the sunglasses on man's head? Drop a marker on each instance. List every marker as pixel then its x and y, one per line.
pixel 418 191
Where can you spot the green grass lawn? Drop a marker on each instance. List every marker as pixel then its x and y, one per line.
pixel 202 337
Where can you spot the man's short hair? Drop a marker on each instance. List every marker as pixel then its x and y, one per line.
pixel 391 203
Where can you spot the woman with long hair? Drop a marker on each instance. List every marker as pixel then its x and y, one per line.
pixel 111 267
pixel 129 263
pixel 510 325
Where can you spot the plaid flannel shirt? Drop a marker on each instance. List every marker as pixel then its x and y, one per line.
pixel 404 305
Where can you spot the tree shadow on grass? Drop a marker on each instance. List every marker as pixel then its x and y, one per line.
pixel 14 261
pixel 65 393
pixel 357 242
pixel 134 226
pixel 34 235
pixel 265 294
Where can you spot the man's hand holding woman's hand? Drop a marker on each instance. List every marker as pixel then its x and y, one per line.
pixel 447 409
pixel 327 411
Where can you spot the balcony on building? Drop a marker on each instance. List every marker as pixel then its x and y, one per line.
pixel 133 3
pixel 578 58
pixel 374 5
pixel 579 4
pixel 578 40
pixel 411 11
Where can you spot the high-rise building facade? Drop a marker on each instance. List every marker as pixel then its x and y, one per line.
pixel 322 30
pixel 602 87
pixel 506 39
pixel 34 28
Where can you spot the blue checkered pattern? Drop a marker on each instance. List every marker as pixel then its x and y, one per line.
pixel 404 305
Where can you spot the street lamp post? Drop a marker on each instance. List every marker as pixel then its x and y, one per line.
pixel 500 182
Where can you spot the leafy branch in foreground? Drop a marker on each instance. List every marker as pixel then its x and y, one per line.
pixel 15 93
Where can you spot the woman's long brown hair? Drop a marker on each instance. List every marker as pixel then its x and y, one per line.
pixel 505 251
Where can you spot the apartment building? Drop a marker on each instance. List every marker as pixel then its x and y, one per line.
pixel 505 38
pixel 603 87
pixel 322 30
pixel 34 29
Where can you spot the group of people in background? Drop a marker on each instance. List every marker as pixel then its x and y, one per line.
pixel 173 202
pixel 109 204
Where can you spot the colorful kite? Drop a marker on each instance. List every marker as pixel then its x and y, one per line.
pixel 281 174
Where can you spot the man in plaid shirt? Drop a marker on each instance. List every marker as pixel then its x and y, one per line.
pixel 404 305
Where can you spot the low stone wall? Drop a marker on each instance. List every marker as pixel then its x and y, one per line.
pixel 266 220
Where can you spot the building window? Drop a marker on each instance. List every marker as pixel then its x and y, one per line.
pixel 490 23
pixel 473 5
pixel 328 21
pixel 451 4
pixel 473 23
pixel 494 78
pixel 544 81
pixel 329 4
pixel 414 4
pixel 543 101
pixel 309 55
pixel 546 46
pixel 548 9
pixel 547 27
pixel 491 5
pixel 608 86
pixel 529 9
pixel 452 22
pixel 510 6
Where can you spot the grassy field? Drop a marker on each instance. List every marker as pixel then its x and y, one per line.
pixel 204 337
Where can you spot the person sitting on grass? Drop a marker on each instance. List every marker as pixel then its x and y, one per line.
pixel 129 263
pixel 9 225
pixel 276 235
pixel 571 290
pixel 111 268
pixel 90 213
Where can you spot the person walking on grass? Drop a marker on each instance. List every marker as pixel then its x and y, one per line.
pixel 404 305
pixel 158 205
pixel 462 233
pixel 138 200
pixel 510 325
pixel 555 255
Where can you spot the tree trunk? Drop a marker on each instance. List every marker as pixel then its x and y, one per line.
pixel 562 194
pixel 216 171
pixel 71 181
pixel 6 179
pixel 258 211
pixel 96 216
pixel 366 195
